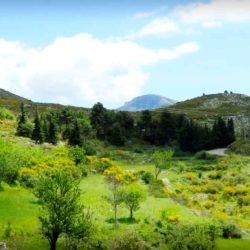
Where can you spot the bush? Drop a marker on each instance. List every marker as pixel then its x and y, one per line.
pixel 230 231
pixel 127 241
pixel 6 114
pixel 89 148
pixel 203 155
pixel 179 237
pixel 147 177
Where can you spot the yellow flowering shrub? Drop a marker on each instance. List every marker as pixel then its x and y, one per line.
pixel 174 218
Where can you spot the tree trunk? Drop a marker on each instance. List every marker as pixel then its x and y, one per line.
pixel 115 208
pixel 131 213
pixel 53 241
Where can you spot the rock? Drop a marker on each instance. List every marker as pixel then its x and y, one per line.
pixel 2 245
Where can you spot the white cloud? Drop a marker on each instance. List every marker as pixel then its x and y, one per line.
pixel 141 15
pixel 214 13
pixel 81 69
pixel 211 24
pixel 157 26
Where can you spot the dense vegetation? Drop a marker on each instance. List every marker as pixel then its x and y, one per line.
pixel 80 191
pixel 121 128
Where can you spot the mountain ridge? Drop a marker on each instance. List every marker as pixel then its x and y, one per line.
pixel 146 102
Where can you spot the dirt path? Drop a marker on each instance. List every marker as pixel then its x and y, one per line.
pixel 217 151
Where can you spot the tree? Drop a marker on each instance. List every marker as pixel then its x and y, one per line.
pixel 77 154
pixel 24 127
pixel 37 134
pixel 231 132
pixel 132 195
pixel 116 176
pixel 162 160
pixel 62 213
pixel 144 125
pixel 75 136
pixel 52 132
pixel 116 135
pixel 100 119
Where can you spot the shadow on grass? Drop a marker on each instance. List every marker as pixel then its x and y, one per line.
pixel 124 221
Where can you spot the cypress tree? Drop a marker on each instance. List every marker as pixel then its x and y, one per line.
pixel 21 122
pixel 37 134
pixel 75 137
pixel 52 132
pixel 231 132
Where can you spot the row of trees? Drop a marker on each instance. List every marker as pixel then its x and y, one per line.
pixel 162 129
pixel 50 127
pixel 119 128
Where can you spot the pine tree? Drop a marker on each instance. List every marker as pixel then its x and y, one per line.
pixel 75 137
pixel 231 132
pixel 52 132
pixel 37 134
pixel 24 128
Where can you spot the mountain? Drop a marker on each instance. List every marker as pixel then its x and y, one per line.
pixel 206 108
pixel 145 102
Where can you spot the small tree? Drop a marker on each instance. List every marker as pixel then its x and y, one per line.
pixel 77 154
pixel 162 160
pixel 62 213
pixel 116 176
pixel 132 195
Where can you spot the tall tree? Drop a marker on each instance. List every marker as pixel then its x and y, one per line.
pixel 62 213
pixel 75 135
pixel 100 120
pixel 37 134
pixel 52 132
pixel 24 127
pixel 231 132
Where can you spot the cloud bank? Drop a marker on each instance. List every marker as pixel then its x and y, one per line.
pixel 81 69
pixel 215 12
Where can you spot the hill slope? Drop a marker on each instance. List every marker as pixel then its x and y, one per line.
pixel 12 102
pixel 146 102
pixel 207 107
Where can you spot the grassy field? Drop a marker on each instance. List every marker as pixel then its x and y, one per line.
pixel 18 207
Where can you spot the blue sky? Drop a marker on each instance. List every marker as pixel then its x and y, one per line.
pixel 80 52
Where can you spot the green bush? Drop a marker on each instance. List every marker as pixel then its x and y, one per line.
pixel 147 177
pixel 127 241
pixel 6 114
pixel 203 155
pixel 189 237
pixel 230 231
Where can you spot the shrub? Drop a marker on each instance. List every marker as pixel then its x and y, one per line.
pixel 127 241
pixel 89 148
pixel 230 231
pixel 216 175
pixel 174 218
pixel 147 177
pixel 6 114
pixel 203 155
pixel 179 237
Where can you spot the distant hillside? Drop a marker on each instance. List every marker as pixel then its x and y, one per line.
pixel 207 107
pixel 12 102
pixel 146 102
pixel 4 94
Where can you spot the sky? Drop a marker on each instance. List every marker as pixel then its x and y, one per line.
pixel 79 52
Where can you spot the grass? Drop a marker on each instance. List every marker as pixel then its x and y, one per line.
pixel 18 206
pixel 233 244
